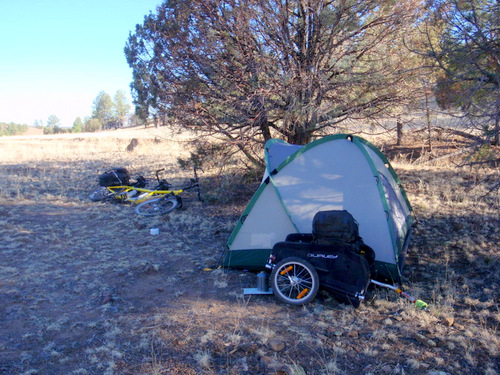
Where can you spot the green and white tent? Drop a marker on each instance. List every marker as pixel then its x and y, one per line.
pixel 338 172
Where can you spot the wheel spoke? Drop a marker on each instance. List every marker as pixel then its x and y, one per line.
pixel 156 206
pixel 294 282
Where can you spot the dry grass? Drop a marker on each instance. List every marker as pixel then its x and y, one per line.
pixel 85 288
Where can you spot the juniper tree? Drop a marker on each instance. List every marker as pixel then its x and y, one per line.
pixel 249 70
pixel 467 53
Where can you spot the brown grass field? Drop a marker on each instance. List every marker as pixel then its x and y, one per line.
pixel 86 289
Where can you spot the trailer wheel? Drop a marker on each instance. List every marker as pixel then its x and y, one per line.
pixel 294 281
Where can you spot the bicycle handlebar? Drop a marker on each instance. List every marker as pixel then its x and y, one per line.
pixel 158 171
pixel 165 185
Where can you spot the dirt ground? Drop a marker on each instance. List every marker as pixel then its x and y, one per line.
pixel 86 289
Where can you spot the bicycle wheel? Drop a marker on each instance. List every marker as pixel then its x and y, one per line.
pixel 101 194
pixel 157 206
pixel 294 281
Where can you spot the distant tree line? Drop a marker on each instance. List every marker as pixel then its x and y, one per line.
pixel 107 113
pixel 249 70
pixel 53 126
pixel 12 129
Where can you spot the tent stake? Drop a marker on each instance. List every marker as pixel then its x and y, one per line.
pixel 418 303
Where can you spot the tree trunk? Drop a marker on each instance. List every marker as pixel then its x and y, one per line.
pixel 399 130
pixel 428 119
pixel 299 136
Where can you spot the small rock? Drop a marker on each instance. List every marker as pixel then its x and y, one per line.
pixel 151 269
pixel 322 337
pixel 337 333
pixel 386 369
pixel 448 321
pixel 388 322
pixel 431 343
pixel 425 341
pixel 276 344
pixel 353 334
pixel 266 360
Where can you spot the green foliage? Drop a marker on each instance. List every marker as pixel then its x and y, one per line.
pixel 77 126
pixel 7 129
pixel 53 121
pixel 103 108
pixel 92 125
pixel 467 54
pixel 111 114
pixel 251 70
pixel 54 126
pixel 121 106
pixel 38 124
pixel 482 155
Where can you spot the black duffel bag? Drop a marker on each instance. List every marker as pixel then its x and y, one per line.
pixel 115 177
pixel 335 226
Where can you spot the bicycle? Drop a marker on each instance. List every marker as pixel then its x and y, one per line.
pixel 150 202
pixel 165 201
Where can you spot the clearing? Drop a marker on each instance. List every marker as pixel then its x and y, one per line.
pixel 85 288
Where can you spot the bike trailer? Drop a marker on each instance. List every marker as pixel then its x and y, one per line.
pixel 340 270
pixel 115 177
pixel 336 252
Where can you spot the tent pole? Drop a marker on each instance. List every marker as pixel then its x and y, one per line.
pixel 418 303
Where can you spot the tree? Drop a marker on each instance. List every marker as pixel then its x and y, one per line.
pixel 468 55
pixel 53 121
pixel 121 106
pixel 11 128
pixel 103 109
pixel 250 70
pixel 77 125
pixel 53 125
pixel 92 125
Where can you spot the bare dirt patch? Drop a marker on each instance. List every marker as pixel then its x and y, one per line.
pixel 86 289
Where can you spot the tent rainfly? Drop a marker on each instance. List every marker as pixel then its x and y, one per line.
pixel 337 172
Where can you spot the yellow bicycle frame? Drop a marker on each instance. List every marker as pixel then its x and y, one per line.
pixel 123 193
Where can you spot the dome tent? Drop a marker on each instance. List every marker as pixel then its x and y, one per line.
pixel 337 172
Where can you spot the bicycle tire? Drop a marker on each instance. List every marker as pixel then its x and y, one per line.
pixel 100 194
pixel 294 281
pixel 157 206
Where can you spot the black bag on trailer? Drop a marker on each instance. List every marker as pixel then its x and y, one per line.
pixel 335 226
pixel 115 177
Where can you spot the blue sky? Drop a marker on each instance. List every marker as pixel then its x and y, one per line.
pixel 57 55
